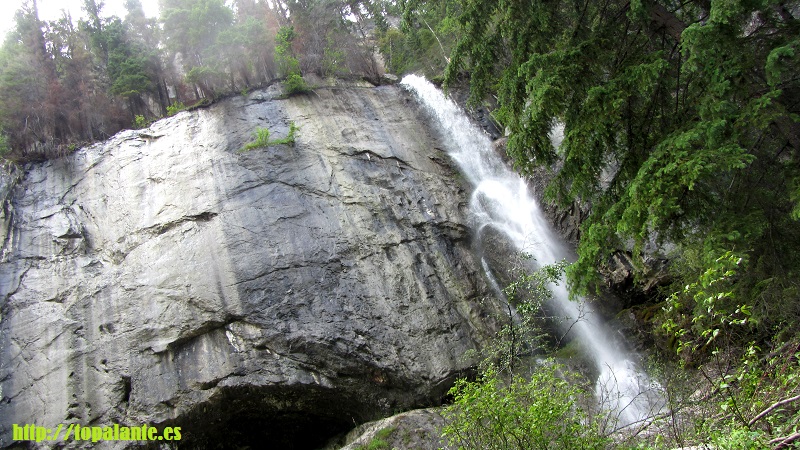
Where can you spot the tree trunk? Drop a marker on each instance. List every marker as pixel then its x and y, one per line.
pixel 663 19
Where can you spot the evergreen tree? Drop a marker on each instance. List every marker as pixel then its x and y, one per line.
pixel 30 89
pixel 191 30
pixel 681 124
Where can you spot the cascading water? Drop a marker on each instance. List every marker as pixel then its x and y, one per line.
pixel 501 200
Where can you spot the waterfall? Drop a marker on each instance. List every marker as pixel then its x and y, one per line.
pixel 501 200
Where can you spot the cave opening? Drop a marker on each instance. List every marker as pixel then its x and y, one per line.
pixel 286 430
pixel 266 419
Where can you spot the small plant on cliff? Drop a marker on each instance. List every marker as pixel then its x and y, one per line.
pixel 261 138
pixel 5 149
pixel 139 122
pixel 175 108
pixel 289 139
pixel 378 442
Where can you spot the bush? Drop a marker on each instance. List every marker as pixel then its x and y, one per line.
pixel 540 413
pixel 139 122
pixel 295 84
pixel 707 310
pixel 175 108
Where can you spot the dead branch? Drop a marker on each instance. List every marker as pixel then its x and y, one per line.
pixel 783 442
pixel 772 408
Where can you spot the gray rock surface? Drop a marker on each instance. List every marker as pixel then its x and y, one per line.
pixel 164 277
pixel 420 429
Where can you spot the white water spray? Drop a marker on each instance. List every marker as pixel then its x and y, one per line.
pixel 501 200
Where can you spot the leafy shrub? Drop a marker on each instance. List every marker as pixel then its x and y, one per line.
pixel 521 317
pixel 139 122
pixel 707 308
pixel 175 108
pixel 375 444
pixel 295 84
pixel 740 439
pixel 539 413
pixel 284 56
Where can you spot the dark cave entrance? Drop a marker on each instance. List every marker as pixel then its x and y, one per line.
pixel 288 430
pixel 267 418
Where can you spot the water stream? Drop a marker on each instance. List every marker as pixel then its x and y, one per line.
pixel 501 200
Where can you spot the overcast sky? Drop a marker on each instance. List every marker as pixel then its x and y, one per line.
pixel 51 10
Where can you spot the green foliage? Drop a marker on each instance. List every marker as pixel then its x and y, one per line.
pixel 295 84
pixel 127 65
pixel 288 64
pixel 424 42
pixel 175 108
pixel 261 138
pixel 244 50
pixel 384 433
pixel 503 410
pixel 521 333
pixel 194 29
pixel 740 439
pixel 5 148
pixel 707 308
pixel 191 27
pixel 333 59
pixel 290 137
pixel 378 442
pixel 537 413
pixel 284 55
pixel 756 398
pixel 139 122
pixel 687 139
pixel 65 81
pixel 203 76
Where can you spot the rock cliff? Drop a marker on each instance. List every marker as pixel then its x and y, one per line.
pixel 272 297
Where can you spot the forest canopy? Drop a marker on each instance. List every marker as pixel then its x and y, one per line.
pixel 67 82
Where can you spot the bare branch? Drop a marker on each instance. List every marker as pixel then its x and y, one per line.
pixel 772 408
pixel 444 53
pixel 783 442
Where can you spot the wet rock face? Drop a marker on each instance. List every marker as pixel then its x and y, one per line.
pixel 164 277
